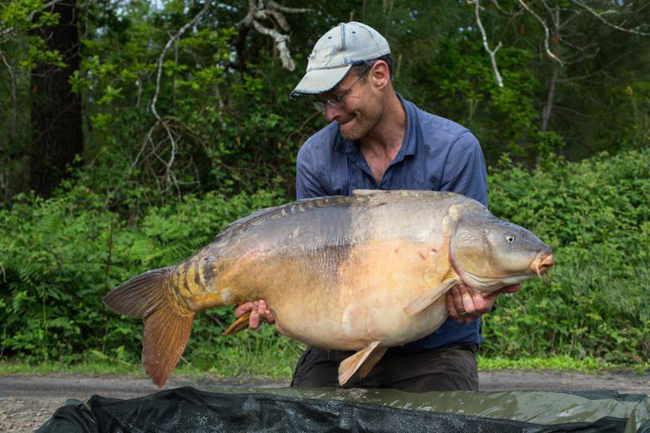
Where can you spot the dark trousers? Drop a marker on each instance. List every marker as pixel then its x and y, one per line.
pixel 448 369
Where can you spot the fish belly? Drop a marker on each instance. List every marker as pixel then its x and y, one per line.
pixel 340 278
pixel 365 300
pixel 354 326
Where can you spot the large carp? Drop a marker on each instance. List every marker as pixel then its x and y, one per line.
pixel 360 273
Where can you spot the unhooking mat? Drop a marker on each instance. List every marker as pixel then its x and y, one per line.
pixel 289 410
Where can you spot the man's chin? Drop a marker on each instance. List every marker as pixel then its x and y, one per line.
pixel 351 133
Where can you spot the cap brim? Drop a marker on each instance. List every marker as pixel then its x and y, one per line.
pixel 320 81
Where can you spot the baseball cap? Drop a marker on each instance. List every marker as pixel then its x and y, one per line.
pixel 336 52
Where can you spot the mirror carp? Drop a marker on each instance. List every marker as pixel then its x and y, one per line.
pixel 360 273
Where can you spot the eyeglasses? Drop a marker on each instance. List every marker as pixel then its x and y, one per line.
pixel 339 101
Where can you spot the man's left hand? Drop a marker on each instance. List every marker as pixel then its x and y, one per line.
pixel 465 305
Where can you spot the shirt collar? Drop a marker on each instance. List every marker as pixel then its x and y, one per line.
pixel 343 145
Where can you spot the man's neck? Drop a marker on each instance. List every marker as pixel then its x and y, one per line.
pixel 386 137
pixel 382 144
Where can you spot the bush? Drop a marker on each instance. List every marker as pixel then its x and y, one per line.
pixel 60 256
pixel 596 215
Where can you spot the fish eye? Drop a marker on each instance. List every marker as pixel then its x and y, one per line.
pixel 510 238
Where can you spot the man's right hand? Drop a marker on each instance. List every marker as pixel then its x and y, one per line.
pixel 259 313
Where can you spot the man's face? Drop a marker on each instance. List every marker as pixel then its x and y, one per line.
pixel 362 108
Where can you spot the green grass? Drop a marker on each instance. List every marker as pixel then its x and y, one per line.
pixel 281 369
pixel 89 368
pixel 102 368
pixel 558 363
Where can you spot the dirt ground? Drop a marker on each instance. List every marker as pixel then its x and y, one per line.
pixel 26 402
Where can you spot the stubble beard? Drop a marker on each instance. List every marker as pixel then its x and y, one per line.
pixel 365 121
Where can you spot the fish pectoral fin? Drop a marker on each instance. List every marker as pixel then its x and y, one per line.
pixel 363 361
pixel 429 297
pixel 238 325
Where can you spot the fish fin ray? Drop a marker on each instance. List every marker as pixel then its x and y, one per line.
pixel 366 192
pixel 238 325
pixel 165 336
pixel 166 330
pixel 141 295
pixel 243 223
pixel 363 361
pixel 429 297
pixel 372 360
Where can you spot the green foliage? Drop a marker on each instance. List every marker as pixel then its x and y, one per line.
pixel 596 216
pixel 224 117
pixel 555 363
pixel 144 197
pixel 60 256
pixel 18 15
pixel 460 85
pixel 218 128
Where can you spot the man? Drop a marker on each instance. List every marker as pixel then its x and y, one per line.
pixel 378 140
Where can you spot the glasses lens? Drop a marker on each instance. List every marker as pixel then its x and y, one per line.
pixel 319 106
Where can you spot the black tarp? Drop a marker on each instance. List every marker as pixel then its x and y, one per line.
pixel 327 410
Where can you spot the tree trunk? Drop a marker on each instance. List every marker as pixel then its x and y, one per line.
pixel 550 97
pixel 56 110
pixel 546 113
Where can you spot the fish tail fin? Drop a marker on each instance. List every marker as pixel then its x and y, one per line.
pixel 165 337
pixel 166 327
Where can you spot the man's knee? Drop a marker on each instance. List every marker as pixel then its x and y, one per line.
pixel 316 368
pixel 451 369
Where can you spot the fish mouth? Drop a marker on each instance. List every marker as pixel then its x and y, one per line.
pixel 542 263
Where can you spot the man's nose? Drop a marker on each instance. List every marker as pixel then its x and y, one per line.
pixel 332 113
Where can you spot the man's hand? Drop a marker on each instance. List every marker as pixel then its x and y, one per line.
pixel 465 305
pixel 259 313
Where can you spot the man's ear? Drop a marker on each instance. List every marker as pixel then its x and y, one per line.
pixel 380 74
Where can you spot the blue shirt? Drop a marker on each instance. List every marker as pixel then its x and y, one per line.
pixel 436 154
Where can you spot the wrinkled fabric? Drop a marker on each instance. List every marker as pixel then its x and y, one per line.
pixel 326 410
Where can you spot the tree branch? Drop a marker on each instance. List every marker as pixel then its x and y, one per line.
pixel 289 10
pixel 10 32
pixel 492 53
pixel 266 10
pixel 600 17
pixel 546 32
pixel 169 175
pixel 14 97
pixel 168 180
pixel 281 41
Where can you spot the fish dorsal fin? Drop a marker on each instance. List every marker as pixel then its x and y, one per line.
pixel 363 361
pixel 260 216
pixel 429 297
pixel 407 195
pixel 381 193
pixel 366 192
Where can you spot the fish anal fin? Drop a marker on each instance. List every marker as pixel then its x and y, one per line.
pixel 372 360
pixel 429 297
pixel 238 325
pixel 165 337
pixel 363 361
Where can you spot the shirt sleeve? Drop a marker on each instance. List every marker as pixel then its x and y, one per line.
pixel 465 172
pixel 308 184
